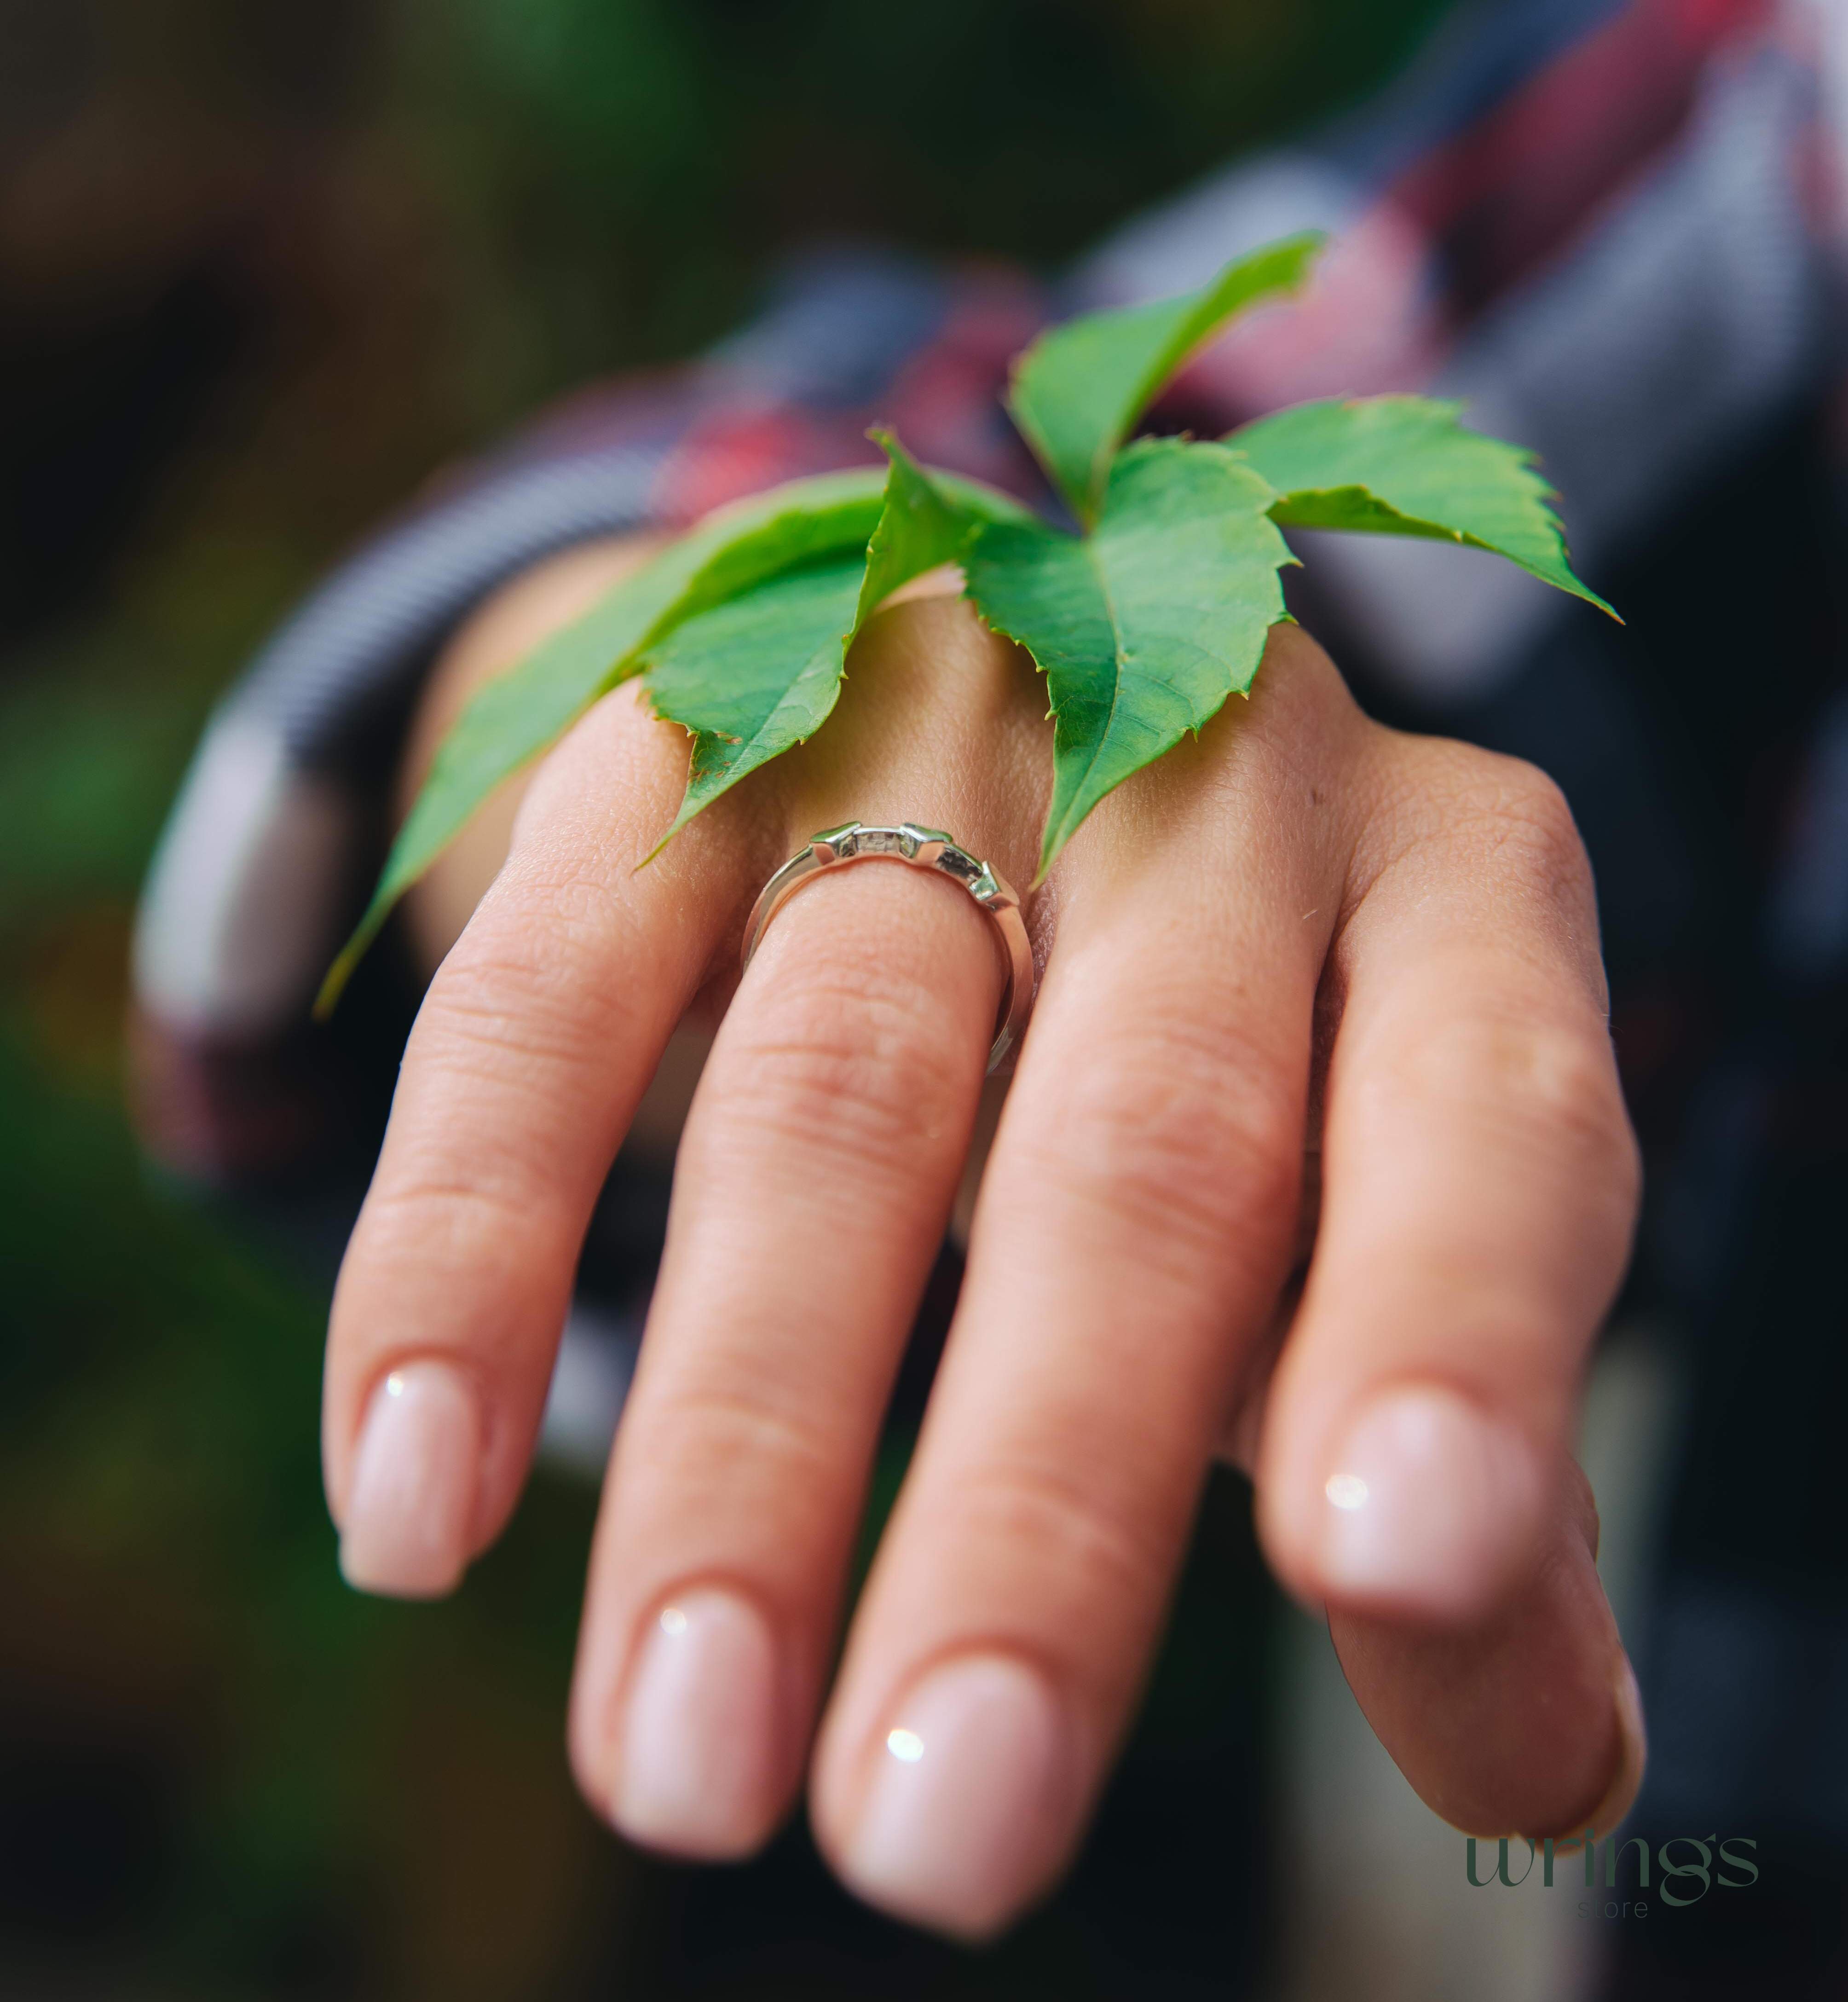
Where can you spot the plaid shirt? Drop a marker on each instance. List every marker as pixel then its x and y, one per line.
pixel 1616 227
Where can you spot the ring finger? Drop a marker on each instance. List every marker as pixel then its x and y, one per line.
pixel 814 1182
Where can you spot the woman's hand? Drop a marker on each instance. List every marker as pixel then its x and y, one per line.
pixel 1302 939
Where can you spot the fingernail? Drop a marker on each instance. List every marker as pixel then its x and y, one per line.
pixel 1632 1755
pixel 966 1810
pixel 409 1508
pixel 696 1771
pixel 1427 1506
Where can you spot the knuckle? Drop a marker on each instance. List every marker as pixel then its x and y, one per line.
pixel 599 787
pixel 750 1466
pixel 482 1019
pixel 519 984
pixel 1519 813
pixel 1087 1547
pixel 713 1435
pixel 848 1062
pixel 434 1222
pixel 1459 804
pixel 493 1097
pixel 1193 1135
pixel 1545 1080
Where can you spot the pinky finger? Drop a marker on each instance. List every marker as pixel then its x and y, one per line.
pixel 1529 1725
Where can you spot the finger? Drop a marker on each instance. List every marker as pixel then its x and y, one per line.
pixel 535 1039
pixel 1528 1724
pixel 1478 1192
pixel 1134 1226
pixel 814 1182
pixel 507 627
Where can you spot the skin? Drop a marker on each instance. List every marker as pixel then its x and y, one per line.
pixel 1315 1156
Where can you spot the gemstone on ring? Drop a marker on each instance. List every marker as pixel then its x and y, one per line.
pixel 922 848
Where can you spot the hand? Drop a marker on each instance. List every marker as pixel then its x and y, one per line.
pixel 1303 938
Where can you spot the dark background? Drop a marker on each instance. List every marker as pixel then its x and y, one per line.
pixel 265 265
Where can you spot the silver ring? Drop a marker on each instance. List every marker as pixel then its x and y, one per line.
pixel 923 848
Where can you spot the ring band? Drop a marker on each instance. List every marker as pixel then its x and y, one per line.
pixel 923 848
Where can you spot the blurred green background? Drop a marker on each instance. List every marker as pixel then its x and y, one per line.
pixel 264 265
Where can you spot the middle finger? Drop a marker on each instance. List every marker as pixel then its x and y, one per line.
pixel 1136 1222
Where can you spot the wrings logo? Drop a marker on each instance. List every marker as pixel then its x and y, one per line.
pixel 1686 1868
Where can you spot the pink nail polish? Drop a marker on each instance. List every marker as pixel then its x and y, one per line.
pixel 411 1502
pixel 1427 1507
pixel 698 1755
pixel 968 1808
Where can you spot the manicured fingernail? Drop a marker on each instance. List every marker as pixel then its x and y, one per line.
pixel 968 1809
pixel 1627 1783
pixel 1633 1757
pixel 412 1501
pixel 698 1750
pixel 1427 1506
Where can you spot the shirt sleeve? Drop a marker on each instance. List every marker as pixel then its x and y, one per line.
pixel 1613 229
pixel 281 822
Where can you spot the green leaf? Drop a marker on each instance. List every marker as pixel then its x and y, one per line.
pixel 928 519
pixel 1404 465
pixel 788 526
pixel 754 677
pixel 1145 626
pixel 1077 392
pixel 522 713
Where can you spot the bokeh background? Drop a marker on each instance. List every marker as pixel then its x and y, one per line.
pixel 265 266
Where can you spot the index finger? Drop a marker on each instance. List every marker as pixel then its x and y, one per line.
pixel 539 1034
